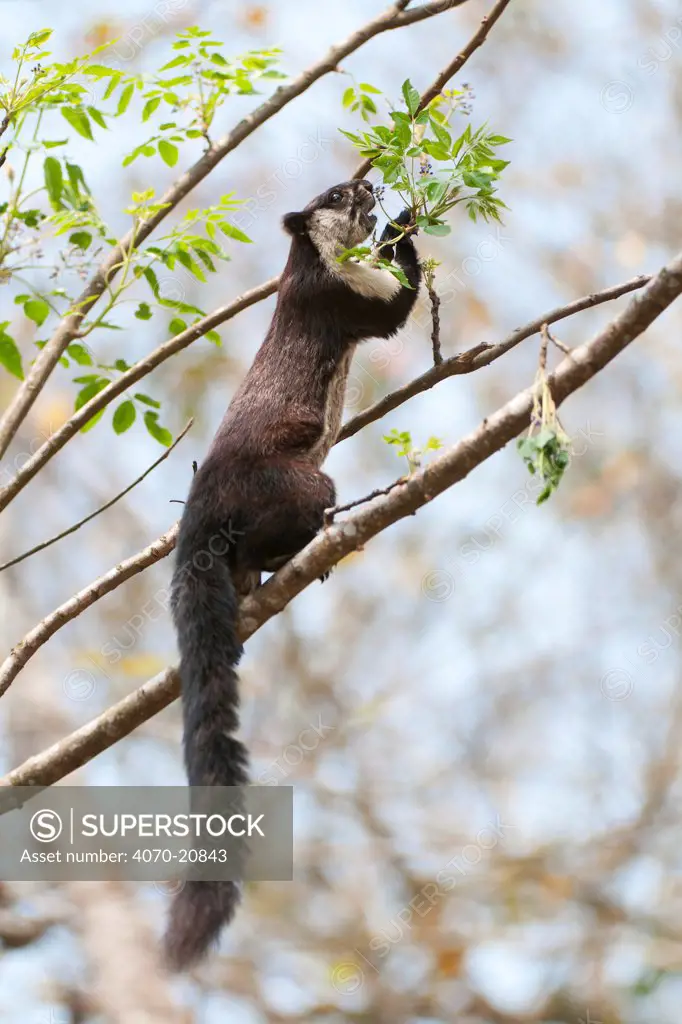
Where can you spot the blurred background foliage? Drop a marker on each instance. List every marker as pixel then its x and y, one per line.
pixel 495 686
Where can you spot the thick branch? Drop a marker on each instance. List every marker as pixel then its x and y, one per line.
pixel 339 539
pixel 394 17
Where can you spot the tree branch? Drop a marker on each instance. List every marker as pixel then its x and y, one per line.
pixel 102 508
pixel 482 355
pixel 466 362
pixel 117 387
pixel 394 17
pixel 72 608
pixel 339 539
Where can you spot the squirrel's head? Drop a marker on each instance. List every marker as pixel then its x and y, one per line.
pixel 338 218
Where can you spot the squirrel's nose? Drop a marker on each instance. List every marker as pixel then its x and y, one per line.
pixel 366 185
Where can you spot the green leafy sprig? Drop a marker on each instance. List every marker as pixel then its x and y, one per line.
pixel 546 448
pixel 432 168
pixel 402 439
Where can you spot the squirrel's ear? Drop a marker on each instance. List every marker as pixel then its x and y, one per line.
pixel 295 223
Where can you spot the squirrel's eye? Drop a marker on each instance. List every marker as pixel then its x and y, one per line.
pixel 335 197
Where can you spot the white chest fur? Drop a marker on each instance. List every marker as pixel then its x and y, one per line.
pixel 326 227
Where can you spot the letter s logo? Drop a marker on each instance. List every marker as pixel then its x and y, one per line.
pixel 46 826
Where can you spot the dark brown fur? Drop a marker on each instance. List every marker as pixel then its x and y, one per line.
pixel 260 495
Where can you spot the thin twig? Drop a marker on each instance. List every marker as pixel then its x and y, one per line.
pixel 544 345
pixel 338 540
pixel 102 508
pixel 330 513
pixel 4 125
pixel 392 18
pixel 435 323
pixel 482 355
pixel 566 349
pixel 460 60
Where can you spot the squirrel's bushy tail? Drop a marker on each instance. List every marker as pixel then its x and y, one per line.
pixel 205 610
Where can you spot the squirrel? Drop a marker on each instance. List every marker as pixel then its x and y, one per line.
pixel 260 495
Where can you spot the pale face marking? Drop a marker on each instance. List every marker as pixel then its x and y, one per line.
pixel 333 230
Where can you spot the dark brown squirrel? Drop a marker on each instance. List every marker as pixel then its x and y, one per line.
pixel 260 496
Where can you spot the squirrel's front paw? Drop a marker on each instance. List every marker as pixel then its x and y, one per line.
pixel 392 233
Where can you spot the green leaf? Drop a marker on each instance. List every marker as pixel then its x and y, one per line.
pixel 435 150
pixel 348 96
pixel 51 143
pixel 10 356
pixel 81 238
pixel 113 82
pixel 38 38
pixel 76 177
pixel 544 437
pixel 93 421
pixel 89 391
pixel 437 229
pixel 158 432
pixel 149 107
pixel 476 179
pixel 124 99
pixel 176 326
pixel 366 87
pixel 214 337
pixel 78 120
pixel 54 181
pixel 526 447
pixel 146 400
pixel 124 417
pixel 177 62
pixel 151 280
pixel 99 71
pixel 37 310
pixel 411 96
pixel 168 152
pixel 442 134
pixel 143 311
pixel 232 232
pixel 80 355
pixel 97 117
pixel 436 190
